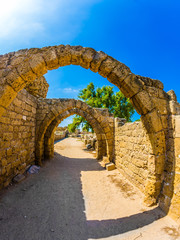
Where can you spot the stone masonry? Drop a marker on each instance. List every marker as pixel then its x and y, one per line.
pixel 132 151
pixel 51 112
pixel 159 111
pixel 38 88
pixel 59 135
pixel 17 137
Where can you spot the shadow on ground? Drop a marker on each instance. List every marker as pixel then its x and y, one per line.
pixel 50 206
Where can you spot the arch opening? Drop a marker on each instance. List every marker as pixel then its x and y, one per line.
pixel 101 149
pixel 58 111
pixel 146 95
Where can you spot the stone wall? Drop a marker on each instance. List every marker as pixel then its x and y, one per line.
pixel 132 151
pixel 171 188
pixel 17 137
pixel 153 171
pixel 170 195
pixel 59 135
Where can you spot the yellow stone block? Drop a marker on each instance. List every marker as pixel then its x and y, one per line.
pixel 110 166
pixel 8 94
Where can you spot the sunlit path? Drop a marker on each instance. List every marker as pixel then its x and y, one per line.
pixel 74 198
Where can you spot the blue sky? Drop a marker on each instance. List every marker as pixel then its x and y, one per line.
pixel 143 34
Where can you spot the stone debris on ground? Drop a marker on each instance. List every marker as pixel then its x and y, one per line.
pixel 88 146
pixel 18 178
pixel 33 169
pixel 110 166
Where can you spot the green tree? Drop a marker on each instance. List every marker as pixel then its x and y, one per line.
pixel 78 122
pixel 104 97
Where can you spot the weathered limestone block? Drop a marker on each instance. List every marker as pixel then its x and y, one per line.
pixel 107 66
pixel 152 122
pixel 17 57
pixel 97 60
pixel 76 54
pixel 142 102
pixel 25 71
pixel 87 57
pixel 38 66
pixel 110 166
pixel 14 79
pixel 8 94
pixel 19 178
pixel 152 82
pixel 131 85
pixel 50 57
pixel 175 203
pixel 38 88
pixel 161 105
pixel 118 74
pixel 158 142
pixel 172 95
pixel 4 59
pixel 64 55
pixel 150 191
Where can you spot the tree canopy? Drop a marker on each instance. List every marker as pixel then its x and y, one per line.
pixel 104 97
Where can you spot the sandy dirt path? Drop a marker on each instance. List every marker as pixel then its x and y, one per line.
pixel 75 198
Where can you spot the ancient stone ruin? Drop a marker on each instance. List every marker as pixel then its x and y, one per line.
pixel 146 152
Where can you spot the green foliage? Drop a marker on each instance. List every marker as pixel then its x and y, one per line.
pixel 122 107
pixel 104 97
pixel 79 121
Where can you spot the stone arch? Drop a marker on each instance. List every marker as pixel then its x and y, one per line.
pixel 50 112
pixel 49 134
pixel 147 96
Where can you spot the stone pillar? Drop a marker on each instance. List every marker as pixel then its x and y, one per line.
pixel 175 202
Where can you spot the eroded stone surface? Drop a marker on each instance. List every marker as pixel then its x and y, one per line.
pixel 38 88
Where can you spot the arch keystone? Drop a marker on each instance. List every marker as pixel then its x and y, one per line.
pixel 87 57
pixel 76 53
pixel 50 57
pixel 64 55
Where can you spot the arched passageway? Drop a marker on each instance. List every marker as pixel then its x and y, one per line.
pixel 147 95
pixel 50 113
pixel 101 149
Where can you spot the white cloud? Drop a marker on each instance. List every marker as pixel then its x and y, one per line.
pixel 70 90
pixel 31 18
pixel 19 16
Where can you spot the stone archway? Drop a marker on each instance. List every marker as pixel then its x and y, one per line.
pixel 51 111
pixel 49 135
pixel 147 96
